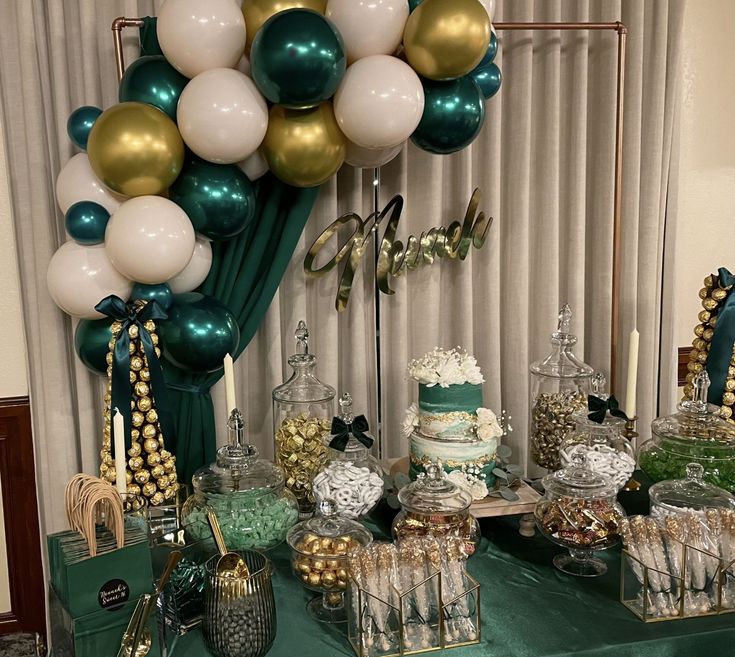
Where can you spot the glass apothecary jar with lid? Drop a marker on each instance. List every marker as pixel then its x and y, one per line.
pixel 696 434
pixel 559 387
pixel 580 512
pixel 247 493
pixel 435 506
pixel 303 408
pixel 351 477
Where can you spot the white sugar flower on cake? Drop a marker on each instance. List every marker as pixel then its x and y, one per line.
pixel 488 427
pixel 444 368
pixel 410 421
pixel 475 486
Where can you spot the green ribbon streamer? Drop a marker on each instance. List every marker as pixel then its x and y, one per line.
pixel 723 339
pixel 135 315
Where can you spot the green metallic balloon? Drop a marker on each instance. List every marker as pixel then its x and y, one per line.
pixel 86 222
pixel 160 293
pixel 154 81
pixel 199 332
pixel 298 59
pixel 454 112
pixel 412 4
pixel 218 198
pixel 80 124
pixel 486 74
pixel 91 338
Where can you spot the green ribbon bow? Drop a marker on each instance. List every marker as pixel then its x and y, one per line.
pixel 723 338
pixel 599 407
pixel 342 430
pixel 135 315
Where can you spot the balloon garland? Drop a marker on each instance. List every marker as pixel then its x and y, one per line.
pixel 297 87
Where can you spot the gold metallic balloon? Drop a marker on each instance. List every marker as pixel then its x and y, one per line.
pixel 257 12
pixel 446 39
pixel 135 149
pixel 304 148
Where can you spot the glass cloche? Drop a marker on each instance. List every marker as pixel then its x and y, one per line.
pixel 696 434
pixel 559 387
pixel 579 511
pixel 435 506
pixel 352 477
pixel 320 548
pixel 254 509
pixel 303 408
pixel 692 493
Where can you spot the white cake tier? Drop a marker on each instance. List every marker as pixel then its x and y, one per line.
pixel 453 426
pixel 452 454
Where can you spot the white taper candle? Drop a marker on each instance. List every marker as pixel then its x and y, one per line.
pixel 229 385
pixel 631 388
pixel 118 434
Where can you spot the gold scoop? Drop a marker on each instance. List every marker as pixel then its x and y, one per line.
pixel 230 564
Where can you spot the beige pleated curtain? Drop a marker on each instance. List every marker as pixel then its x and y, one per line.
pixel 544 163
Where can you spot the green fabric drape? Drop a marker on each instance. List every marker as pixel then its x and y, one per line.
pixel 245 274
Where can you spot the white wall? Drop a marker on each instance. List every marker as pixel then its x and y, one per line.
pixel 705 217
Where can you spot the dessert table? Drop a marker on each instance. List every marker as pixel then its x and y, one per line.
pixel 529 609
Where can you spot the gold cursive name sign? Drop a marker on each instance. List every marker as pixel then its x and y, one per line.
pixel 453 241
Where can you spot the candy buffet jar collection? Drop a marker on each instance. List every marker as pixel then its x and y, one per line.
pixel 692 493
pixel 605 448
pixel 320 547
pixel 579 512
pixel 696 434
pixel 352 477
pixel 303 408
pixel 559 387
pixel 254 508
pixel 434 506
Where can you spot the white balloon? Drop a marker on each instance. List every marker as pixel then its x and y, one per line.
pixel 77 182
pixel 79 277
pixel 222 116
pixel 196 271
pixel 244 65
pixel 369 158
pixel 369 27
pixel 379 102
pixel 255 166
pixel 196 36
pixel 149 239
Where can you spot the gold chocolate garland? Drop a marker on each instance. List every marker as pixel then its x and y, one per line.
pixel 151 469
pixel 713 296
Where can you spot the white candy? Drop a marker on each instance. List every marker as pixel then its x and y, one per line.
pixel 603 459
pixel 356 490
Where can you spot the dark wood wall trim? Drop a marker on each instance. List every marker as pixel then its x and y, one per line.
pixel 20 507
pixel 683 361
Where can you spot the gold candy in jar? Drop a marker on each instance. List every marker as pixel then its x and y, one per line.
pixel 552 418
pixel 320 565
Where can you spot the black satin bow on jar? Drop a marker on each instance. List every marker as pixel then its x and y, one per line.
pixel 135 314
pixel 341 432
pixel 599 407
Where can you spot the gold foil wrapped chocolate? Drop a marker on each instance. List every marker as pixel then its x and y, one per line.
pixel 580 523
pixel 321 563
pixel 552 419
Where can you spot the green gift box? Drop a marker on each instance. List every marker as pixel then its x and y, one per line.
pixel 94 635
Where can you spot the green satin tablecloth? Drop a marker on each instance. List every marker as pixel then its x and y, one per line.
pixel 529 609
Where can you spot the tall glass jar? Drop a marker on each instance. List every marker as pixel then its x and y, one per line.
pixel 352 477
pixel 254 509
pixel 559 387
pixel 303 408
pixel 696 434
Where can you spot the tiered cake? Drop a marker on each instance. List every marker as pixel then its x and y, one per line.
pixel 449 425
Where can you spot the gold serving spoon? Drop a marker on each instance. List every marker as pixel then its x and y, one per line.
pixel 230 564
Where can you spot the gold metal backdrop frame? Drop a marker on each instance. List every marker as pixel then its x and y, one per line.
pixel 622 31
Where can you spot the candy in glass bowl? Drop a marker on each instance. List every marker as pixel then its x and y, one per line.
pixel 579 511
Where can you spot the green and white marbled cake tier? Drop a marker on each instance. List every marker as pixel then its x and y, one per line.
pixel 453 455
pixel 449 413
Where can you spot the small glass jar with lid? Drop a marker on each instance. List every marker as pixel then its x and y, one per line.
pixel 352 477
pixel 320 550
pixel 435 506
pixel 303 408
pixel 559 387
pixel 692 493
pixel 603 444
pixel 579 511
pixel 254 508
pixel 696 434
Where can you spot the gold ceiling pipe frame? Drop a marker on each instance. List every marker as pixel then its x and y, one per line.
pixel 622 32
pixel 120 23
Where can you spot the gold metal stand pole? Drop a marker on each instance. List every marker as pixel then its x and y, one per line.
pixel 117 27
pixel 631 434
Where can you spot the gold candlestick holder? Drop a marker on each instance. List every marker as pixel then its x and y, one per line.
pixel 631 434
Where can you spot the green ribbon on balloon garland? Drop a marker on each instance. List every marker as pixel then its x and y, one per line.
pixel 148 38
pixel 246 272
pixel 723 339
